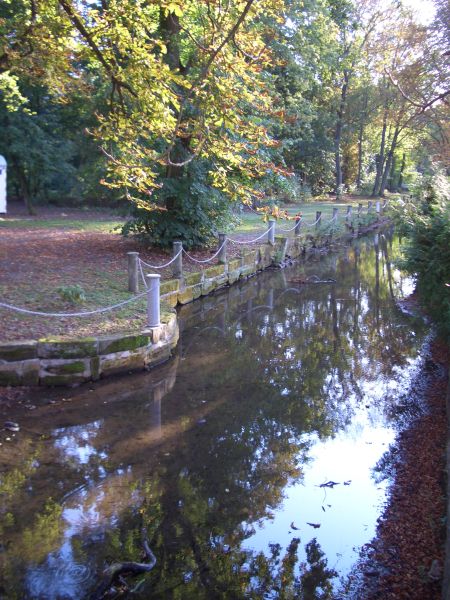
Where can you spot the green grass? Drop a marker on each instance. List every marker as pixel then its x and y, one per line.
pixel 252 222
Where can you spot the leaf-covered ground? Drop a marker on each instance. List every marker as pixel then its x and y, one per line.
pixel 405 561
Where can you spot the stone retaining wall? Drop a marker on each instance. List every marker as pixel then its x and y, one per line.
pixel 56 361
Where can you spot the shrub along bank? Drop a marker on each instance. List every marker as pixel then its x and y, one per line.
pixel 425 221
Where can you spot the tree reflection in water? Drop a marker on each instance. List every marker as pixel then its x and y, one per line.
pixel 203 449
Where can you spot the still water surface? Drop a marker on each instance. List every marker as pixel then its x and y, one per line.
pixel 276 389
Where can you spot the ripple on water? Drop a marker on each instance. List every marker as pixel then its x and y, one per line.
pixel 58 578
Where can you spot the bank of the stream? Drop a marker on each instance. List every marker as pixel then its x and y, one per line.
pixel 406 559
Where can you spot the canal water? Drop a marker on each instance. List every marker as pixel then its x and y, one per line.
pixel 250 459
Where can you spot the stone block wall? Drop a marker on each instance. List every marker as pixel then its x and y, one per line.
pixel 56 361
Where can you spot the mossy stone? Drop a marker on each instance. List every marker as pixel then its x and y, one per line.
pixel 186 295
pixel 197 291
pixel 208 286
pixel 62 380
pixel 122 343
pixel 171 299
pixel 158 354
pixel 65 367
pixel 17 351
pixel 193 279
pixel 54 347
pixel 233 276
pixel 249 257
pixel 214 271
pixel 234 264
pixel 248 270
pixel 172 285
pixel 119 362
pixel 24 372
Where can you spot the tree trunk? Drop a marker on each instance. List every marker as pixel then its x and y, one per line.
pixel 392 186
pixel 25 189
pixel 381 157
pixel 389 160
pixel 169 26
pixel 362 123
pixel 338 134
pixel 402 170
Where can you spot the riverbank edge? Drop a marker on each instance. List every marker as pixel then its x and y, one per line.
pixel 446 579
pixel 411 525
pixel 54 361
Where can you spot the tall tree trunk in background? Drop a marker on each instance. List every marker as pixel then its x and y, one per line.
pixel 362 123
pixel 381 157
pixel 402 170
pixel 391 178
pixel 389 159
pixel 25 191
pixel 338 134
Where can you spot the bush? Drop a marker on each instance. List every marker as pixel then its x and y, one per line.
pixel 426 222
pixel 74 294
pixel 200 212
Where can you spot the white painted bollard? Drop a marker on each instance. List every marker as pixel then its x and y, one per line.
pixel 335 214
pixel 133 274
pixel 177 268
pixel 271 232
pixel 3 167
pixel 222 256
pixel 378 209
pixel 153 300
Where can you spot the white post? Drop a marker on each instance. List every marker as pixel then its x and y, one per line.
pixel 133 277
pixel 335 214
pixel 378 209
pixel 153 310
pixel 177 268
pixel 271 232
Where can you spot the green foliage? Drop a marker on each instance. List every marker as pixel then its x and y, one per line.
pixel 426 222
pixel 199 212
pixel 74 294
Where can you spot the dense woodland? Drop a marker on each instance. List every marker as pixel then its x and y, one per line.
pixel 181 110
